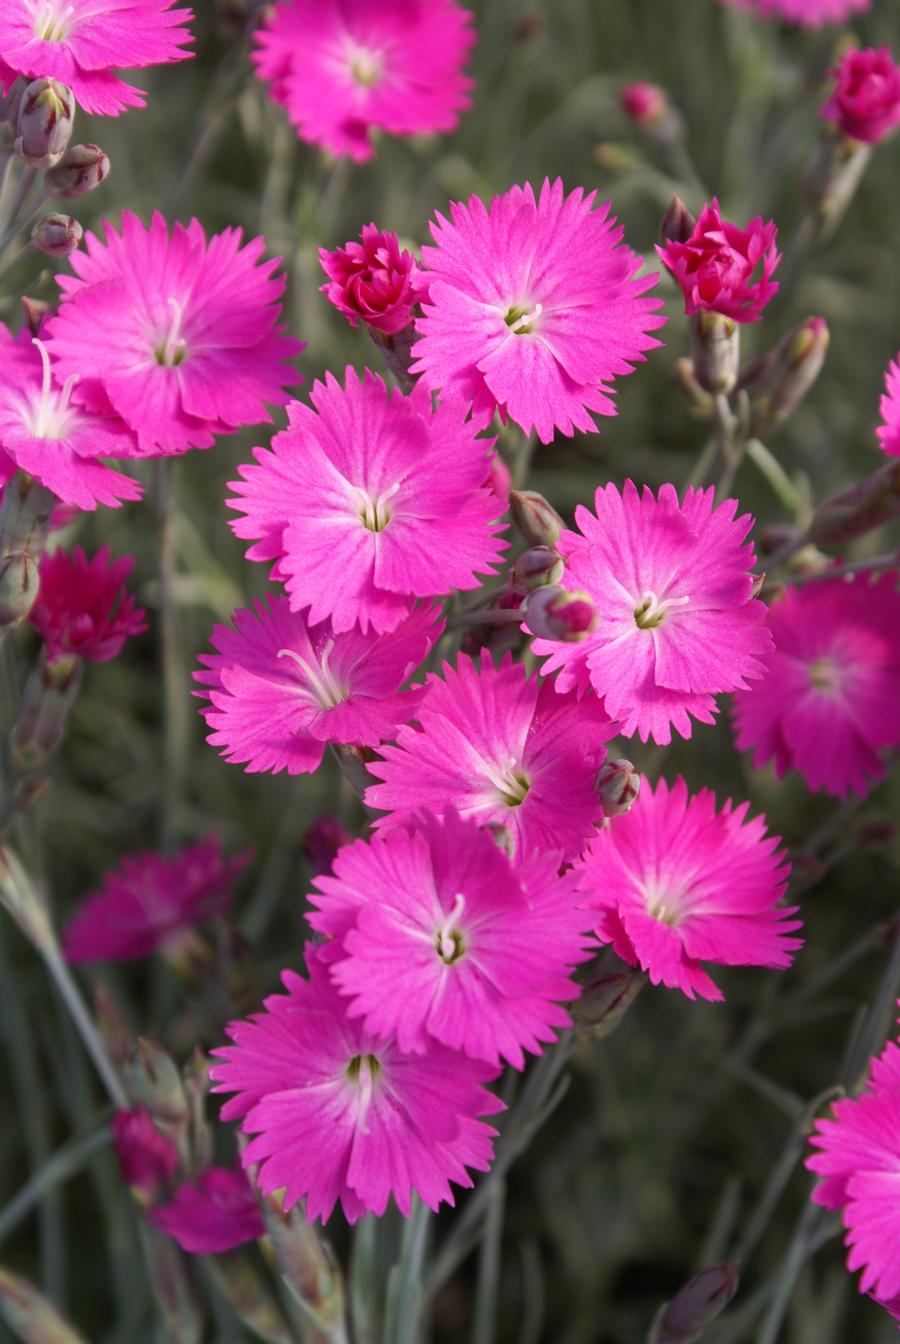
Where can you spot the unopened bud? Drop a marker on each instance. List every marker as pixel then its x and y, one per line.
pixel 152 1080
pixel 19 583
pixel 555 613
pixel 782 381
pixel 10 101
pixel 535 567
pixel 716 350
pixel 867 505
pixel 35 310
pixel 29 1315
pixel 610 986
pixel 117 1035
pixel 49 693
pixel 677 224
pixel 80 170
pixel 45 121
pixel 57 235
pixel 696 1306
pixel 536 519
pixel 833 176
pixel 308 1266
pixel 618 784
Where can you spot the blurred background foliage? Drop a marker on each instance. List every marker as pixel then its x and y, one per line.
pixel 660 1158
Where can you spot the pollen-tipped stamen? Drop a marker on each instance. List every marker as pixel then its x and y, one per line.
pixel 449 942
pixel 651 610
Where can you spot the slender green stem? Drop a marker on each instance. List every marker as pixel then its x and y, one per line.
pixel 782 485
pixel 67 1161
pixel 874 564
pixel 71 996
pixel 487 1292
pixel 175 729
pixel 403 1315
pixel 10 221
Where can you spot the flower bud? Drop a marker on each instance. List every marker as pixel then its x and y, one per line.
pixel 10 102
pixel 45 121
pixel 696 1306
pixel 536 519
pixel 535 567
pixel 147 1159
pixel 610 986
pixel 618 784
pixel 644 104
pixel 781 380
pixel 152 1080
pixel 831 180
pixel 867 505
pixel 49 694
pixel 80 170
pixel 308 1266
pixel 715 350
pixel 29 1315
pixel 677 224
pixel 57 235
pixel 34 312
pixel 555 613
pixel 19 583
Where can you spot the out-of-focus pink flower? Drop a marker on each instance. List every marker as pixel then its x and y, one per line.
pixel 57 442
pixel 370 501
pixel 889 429
pixel 437 936
pixel 178 334
pixel 147 1159
pixel 341 1113
pixel 81 42
pixel 678 622
pixel 503 749
pixel 321 843
pixel 724 269
pixel 149 901
pixel 679 884
pixel 533 308
pixel 372 281
pixel 214 1213
pixel 83 608
pixel 644 103
pixel 865 104
pixel 279 690
pixel 828 706
pixel 858 1158
pixel 806 13
pixel 344 68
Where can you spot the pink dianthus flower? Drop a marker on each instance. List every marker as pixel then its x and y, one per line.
pixel 46 434
pixel 81 43
pixel 507 750
pixel 678 884
pixel 83 608
pixel 828 706
pixel 178 334
pixel 437 936
pixel 806 13
pixel 724 269
pixel 372 281
pixel 678 622
pixel 889 429
pixel 533 308
pixel 865 104
pixel 150 902
pixel 370 501
pixel 343 68
pixel 341 1113
pixel 147 1159
pixel 212 1214
pixel 858 1161
pixel 280 691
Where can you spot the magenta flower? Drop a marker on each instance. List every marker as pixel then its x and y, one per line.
pixel 81 43
pixel 147 1159
pixel 280 691
pixel 828 706
pixel 55 441
pixel 152 902
pixel 342 1114
pixel 858 1160
pixel 370 501
pixel 889 429
pixel 83 609
pixel 439 937
pixel 212 1214
pixel 678 884
pixel 504 749
pixel 806 13
pixel 678 622
pixel 533 307
pixel 725 269
pixel 865 104
pixel 644 103
pixel 344 68
pixel 177 334
pixel 372 281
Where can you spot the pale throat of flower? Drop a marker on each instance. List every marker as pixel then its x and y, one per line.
pixel 650 611
pixel 364 1071
pixel 53 22
pixel 523 318
pixel 510 780
pixel 662 905
pixel 373 510
pixel 448 941
pixel 169 345
pixel 323 688
pixel 825 675
pixel 50 416
pixel 366 66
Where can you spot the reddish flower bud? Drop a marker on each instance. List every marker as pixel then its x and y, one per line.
pixel 644 103
pixel 45 121
pixel 57 235
pixel 19 583
pixel 536 519
pixel 372 281
pixel 722 268
pixel 535 567
pixel 555 613
pixel 618 784
pixel 147 1160
pixel 865 104
pixel 781 379
pixel 321 843
pixel 677 224
pixel 697 1305
pixel 80 170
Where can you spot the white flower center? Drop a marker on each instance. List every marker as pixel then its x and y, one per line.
pixel 650 610
pixel 53 21
pixel 363 1070
pixel 322 689
pixel 448 941
pixel 662 906
pixel 522 318
pixel 373 510
pixel 50 416
pixel 366 66
pixel 170 347
pixel 510 780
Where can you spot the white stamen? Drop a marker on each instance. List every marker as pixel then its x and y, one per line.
pixel 527 320
pixel 52 22
pixel 324 689
pixel 50 416
pixel 651 610
pixel 447 946
pixel 374 511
